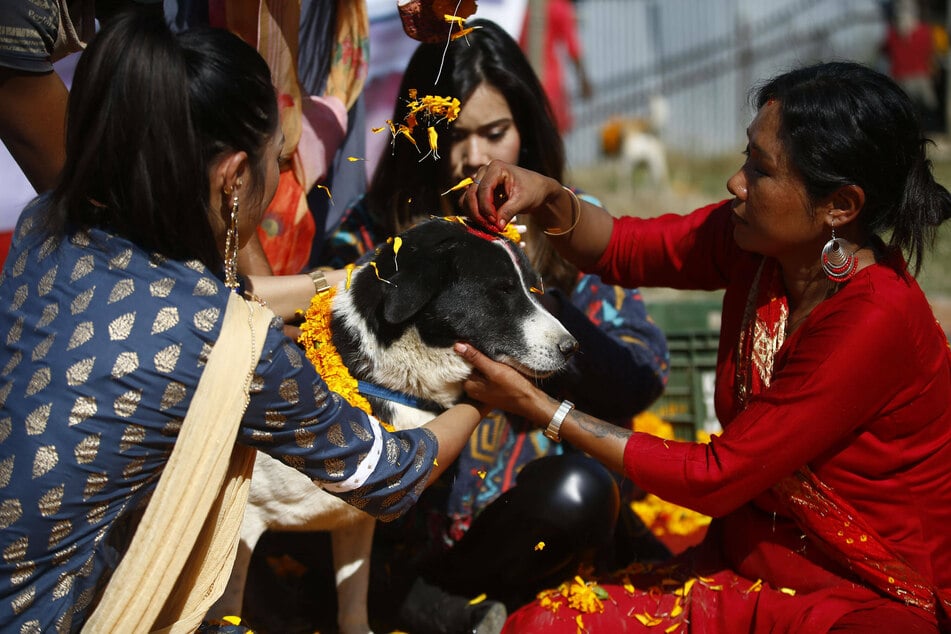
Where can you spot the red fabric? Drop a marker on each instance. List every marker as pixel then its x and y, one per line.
pixel 911 55
pixel 561 29
pixel 287 229
pixel 881 439
pixel 5 238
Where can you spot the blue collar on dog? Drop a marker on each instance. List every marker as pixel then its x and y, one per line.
pixel 385 393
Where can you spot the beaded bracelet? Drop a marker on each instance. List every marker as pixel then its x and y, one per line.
pixel 575 216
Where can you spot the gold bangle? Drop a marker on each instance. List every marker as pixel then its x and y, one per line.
pixel 320 281
pixel 575 217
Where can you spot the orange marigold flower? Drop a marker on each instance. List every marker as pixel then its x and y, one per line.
pixel 318 347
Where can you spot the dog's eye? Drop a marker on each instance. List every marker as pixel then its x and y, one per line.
pixel 506 287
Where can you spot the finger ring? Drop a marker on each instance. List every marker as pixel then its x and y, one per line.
pixel 476 181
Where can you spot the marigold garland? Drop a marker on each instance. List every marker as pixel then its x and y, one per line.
pixel 318 347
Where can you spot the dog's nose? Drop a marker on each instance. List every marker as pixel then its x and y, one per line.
pixel 568 346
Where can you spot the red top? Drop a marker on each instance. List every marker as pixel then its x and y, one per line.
pixel 910 55
pixel 860 393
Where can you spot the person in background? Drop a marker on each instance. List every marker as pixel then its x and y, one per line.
pixel 119 283
pixel 909 46
pixel 830 485
pixel 33 96
pixel 561 38
pixel 476 532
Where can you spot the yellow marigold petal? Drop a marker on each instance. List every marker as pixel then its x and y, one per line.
pixel 512 233
pixel 756 586
pixel 672 628
pixel 628 586
pixel 465 182
pixel 408 134
pixel 349 269
pixel 464 32
pixel 478 599
pixel 233 620
pixel 354 159
pixel 378 130
pixel 481 473
pixel 648 620
pixel 788 591
pixel 677 610
pixel 435 462
pixel 454 19
pixel 540 546
pixel 326 189
pixel 376 271
pixel 686 589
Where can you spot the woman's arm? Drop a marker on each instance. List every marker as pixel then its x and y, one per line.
pixel 452 429
pixel 599 439
pixel 287 294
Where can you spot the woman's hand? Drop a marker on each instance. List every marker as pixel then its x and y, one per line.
pixel 503 387
pixel 502 190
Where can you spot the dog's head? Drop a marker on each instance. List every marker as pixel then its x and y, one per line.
pixel 439 283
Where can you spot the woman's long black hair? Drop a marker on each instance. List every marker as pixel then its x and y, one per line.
pixel 405 190
pixel 148 114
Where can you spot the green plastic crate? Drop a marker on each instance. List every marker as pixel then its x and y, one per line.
pixel 692 328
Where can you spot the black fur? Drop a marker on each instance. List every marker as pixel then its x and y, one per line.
pixel 451 283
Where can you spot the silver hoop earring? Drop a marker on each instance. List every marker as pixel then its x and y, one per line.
pixel 837 262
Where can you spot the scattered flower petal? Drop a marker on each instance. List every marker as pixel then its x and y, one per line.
pixel 648 620
pixel 326 189
pixel 465 182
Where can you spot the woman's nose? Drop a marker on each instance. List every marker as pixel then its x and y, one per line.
pixel 736 185
pixel 474 153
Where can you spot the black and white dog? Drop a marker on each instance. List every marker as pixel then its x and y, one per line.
pixel 443 281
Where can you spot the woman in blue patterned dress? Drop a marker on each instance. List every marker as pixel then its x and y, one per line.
pixel 112 300
pixel 504 114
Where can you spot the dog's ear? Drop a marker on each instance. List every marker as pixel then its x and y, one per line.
pixel 411 290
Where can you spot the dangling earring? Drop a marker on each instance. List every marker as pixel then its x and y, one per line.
pixel 837 263
pixel 231 244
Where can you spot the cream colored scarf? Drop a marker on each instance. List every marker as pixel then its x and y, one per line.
pixel 183 549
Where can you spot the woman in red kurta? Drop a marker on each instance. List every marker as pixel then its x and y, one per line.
pixel 831 482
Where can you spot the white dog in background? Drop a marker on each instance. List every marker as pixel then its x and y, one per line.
pixel 634 142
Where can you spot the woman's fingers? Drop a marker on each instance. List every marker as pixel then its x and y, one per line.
pixel 485 199
pixel 494 383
